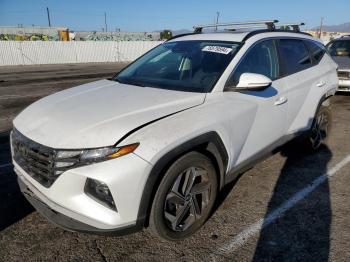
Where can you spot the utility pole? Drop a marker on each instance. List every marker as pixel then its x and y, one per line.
pixel 217 20
pixel 321 27
pixel 105 22
pixel 48 16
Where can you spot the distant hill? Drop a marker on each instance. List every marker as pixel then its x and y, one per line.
pixel 335 28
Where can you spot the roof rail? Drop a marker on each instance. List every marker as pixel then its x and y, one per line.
pixel 270 24
pixel 294 26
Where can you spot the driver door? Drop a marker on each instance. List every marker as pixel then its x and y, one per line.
pixel 271 104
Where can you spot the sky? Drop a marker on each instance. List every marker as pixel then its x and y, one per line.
pixel 151 15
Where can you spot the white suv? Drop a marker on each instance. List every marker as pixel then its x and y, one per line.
pixel 153 146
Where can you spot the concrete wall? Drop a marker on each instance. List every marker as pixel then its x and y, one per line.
pixel 41 52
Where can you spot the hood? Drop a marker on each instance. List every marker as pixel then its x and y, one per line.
pixel 342 61
pixel 98 114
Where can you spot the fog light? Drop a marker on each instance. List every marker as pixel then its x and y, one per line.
pixel 99 191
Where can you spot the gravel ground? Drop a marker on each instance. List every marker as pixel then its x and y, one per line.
pixel 317 228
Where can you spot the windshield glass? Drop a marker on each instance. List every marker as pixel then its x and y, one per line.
pixel 339 48
pixel 192 66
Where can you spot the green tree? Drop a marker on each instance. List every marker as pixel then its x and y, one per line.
pixel 165 34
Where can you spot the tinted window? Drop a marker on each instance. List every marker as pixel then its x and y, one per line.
pixel 339 48
pixel 261 59
pixel 192 66
pixel 295 55
pixel 317 51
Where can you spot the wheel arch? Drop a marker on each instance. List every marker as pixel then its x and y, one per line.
pixel 324 101
pixel 209 144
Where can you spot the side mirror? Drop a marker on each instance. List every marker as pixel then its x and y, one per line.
pixel 252 82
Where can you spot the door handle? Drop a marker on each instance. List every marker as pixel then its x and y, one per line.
pixel 281 101
pixel 321 83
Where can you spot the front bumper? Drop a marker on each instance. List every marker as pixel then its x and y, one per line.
pixel 66 204
pixel 69 223
pixel 344 85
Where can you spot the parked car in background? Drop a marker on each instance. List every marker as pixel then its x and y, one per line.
pixel 339 49
pixel 154 145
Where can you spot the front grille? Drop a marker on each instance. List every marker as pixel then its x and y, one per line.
pixel 37 160
pixel 343 75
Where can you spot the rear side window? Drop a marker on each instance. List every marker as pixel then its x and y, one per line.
pixel 260 59
pixel 295 56
pixel 317 50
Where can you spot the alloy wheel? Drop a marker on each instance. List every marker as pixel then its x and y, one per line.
pixel 187 199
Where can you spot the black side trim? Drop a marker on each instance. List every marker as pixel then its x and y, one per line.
pixel 209 142
pixel 181 35
pixel 71 224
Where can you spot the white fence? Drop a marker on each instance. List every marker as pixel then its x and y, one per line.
pixel 40 52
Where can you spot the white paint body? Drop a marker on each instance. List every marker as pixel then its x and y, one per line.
pixel 100 113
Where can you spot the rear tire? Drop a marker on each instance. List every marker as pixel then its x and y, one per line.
pixel 320 129
pixel 185 197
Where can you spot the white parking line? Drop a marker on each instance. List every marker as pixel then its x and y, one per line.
pixel 13 96
pixel 23 96
pixel 5 165
pixel 240 239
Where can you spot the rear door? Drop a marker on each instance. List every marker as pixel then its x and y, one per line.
pixel 303 79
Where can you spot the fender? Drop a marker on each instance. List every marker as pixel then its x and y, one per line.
pixel 209 142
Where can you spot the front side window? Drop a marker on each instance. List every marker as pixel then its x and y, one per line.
pixel 192 66
pixel 295 55
pixel 260 59
pixel 339 48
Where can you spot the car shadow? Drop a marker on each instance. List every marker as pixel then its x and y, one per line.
pixel 13 205
pixel 303 232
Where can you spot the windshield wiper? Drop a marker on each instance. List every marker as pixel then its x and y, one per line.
pixel 130 82
pixel 113 79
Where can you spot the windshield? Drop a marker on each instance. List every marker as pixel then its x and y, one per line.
pixel 339 48
pixel 193 66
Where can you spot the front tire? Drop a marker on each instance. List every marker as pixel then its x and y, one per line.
pixel 185 197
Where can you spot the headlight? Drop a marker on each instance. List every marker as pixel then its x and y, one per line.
pixel 67 159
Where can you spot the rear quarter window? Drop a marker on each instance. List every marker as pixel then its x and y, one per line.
pixel 317 50
pixel 295 56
